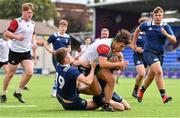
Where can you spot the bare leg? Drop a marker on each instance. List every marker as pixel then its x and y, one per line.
pixel 28 72
pixel 8 76
pixel 156 68
pixel 149 78
pixel 108 77
pixel 116 105
pixel 139 78
pixel 127 106
pixel 91 105
pixel 93 89
pixel 140 74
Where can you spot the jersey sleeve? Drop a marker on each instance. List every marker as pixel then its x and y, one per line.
pixel 143 26
pixel 51 38
pixel 103 50
pixel 13 26
pixel 69 40
pixel 169 30
pixel 74 72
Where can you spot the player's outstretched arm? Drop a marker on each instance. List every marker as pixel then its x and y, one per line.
pixel 88 79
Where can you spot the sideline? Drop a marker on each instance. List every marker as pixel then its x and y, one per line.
pixel 17 106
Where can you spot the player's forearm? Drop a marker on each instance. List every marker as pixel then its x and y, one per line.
pixel 90 77
pixel 46 46
pixel 171 38
pixel 33 40
pixel 10 35
pixel 135 37
pixel 107 64
pixel 69 48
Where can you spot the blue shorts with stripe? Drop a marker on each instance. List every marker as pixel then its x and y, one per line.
pixel 152 57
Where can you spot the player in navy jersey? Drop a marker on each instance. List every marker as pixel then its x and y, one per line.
pixel 58 39
pixel 21 31
pixel 156 34
pixel 67 77
pixel 139 60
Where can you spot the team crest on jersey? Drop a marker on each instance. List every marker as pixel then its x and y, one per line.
pixel 58 39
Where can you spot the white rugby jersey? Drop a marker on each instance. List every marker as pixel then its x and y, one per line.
pixel 97 48
pixel 4 50
pixel 19 26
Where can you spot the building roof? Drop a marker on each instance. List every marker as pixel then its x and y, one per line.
pixel 41 28
pixel 137 5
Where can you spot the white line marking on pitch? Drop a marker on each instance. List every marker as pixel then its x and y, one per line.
pixel 15 106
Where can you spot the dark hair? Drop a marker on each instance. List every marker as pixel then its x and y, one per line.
pixel 60 55
pixel 158 9
pixel 87 38
pixel 123 36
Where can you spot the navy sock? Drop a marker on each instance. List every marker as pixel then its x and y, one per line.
pixel 136 87
pixel 143 89
pixel 162 92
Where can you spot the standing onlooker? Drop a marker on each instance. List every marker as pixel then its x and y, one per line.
pixel 83 47
pixel 104 33
pixel 21 32
pixel 139 60
pixel 58 39
pixel 156 34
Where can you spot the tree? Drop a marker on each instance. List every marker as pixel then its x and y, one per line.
pixel 10 9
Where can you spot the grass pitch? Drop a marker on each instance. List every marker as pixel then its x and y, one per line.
pixel 39 103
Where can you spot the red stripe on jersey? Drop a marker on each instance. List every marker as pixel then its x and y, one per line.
pixel 13 26
pixel 103 49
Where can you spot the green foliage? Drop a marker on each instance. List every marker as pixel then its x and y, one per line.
pixel 12 9
pixel 40 104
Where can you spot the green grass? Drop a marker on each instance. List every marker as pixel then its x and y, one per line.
pixel 45 106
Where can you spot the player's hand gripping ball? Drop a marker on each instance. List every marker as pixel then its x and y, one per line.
pixel 115 58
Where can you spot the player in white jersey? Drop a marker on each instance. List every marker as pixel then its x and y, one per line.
pixel 4 51
pixel 100 50
pixel 21 32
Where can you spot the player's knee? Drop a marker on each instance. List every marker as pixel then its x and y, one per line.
pixel 9 74
pixel 111 81
pixel 29 74
pixel 97 91
pixel 141 75
pixel 159 72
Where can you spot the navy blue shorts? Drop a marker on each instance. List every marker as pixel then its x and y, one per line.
pixel 138 59
pixel 151 57
pixel 86 71
pixel 3 63
pixel 99 100
pixel 83 70
pixel 16 57
pixel 78 104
